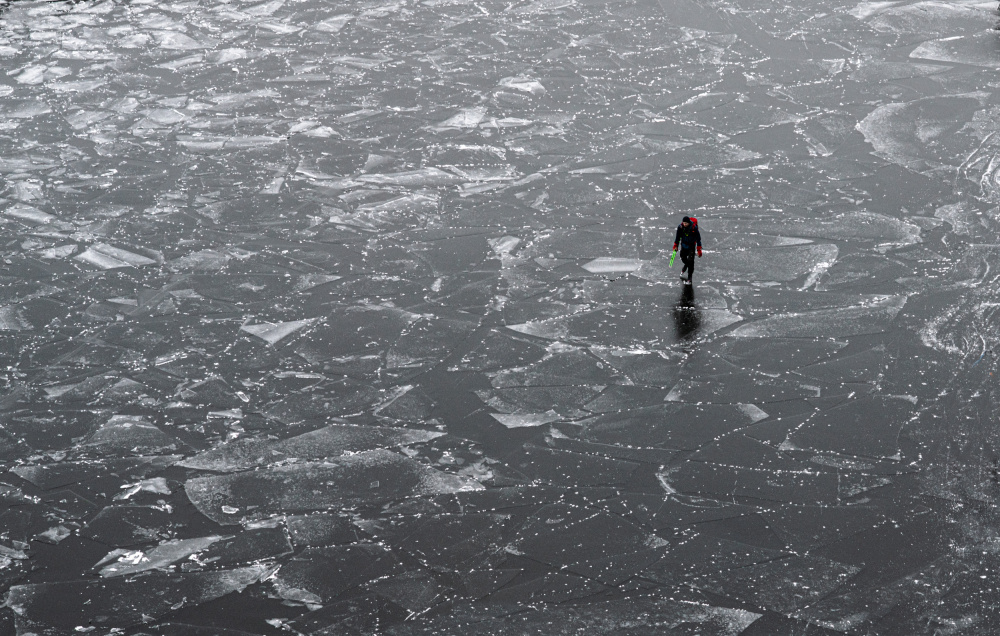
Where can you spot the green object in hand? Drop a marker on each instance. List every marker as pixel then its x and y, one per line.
pixel 672 259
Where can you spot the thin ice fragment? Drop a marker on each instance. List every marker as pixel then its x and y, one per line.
pixel 609 265
pixel 109 257
pixel 274 333
pixel 523 420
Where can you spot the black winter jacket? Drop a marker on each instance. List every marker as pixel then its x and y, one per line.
pixel 687 239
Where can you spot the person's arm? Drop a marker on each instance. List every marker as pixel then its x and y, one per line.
pixel 677 237
pixel 697 236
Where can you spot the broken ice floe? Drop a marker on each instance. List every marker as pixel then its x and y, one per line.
pixel 608 265
pixel 363 478
pixel 772 264
pixel 872 317
pixel 327 442
pixel 122 602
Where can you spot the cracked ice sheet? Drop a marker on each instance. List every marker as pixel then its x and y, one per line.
pixel 782 585
pixel 334 160
pixel 921 134
pixel 447 540
pixel 868 427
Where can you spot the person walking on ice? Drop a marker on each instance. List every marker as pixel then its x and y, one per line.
pixel 689 239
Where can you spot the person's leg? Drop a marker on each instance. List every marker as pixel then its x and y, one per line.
pixel 687 256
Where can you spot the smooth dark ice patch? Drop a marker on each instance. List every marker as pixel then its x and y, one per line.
pixel 872 317
pixel 781 264
pixel 123 526
pixel 695 554
pixel 550 588
pixel 865 427
pixel 781 585
pixel 676 426
pixel 318 575
pixel 562 468
pixel 575 539
pixel 456 541
pixel 860 367
pixel 321 529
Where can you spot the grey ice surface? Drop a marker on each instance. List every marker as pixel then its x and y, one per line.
pixel 360 317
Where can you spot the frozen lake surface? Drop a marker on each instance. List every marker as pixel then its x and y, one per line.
pixel 358 317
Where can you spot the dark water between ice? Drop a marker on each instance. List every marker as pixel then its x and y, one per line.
pixel 357 317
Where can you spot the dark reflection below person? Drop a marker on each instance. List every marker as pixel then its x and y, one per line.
pixel 687 316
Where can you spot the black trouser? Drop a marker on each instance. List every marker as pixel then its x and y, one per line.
pixel 687 257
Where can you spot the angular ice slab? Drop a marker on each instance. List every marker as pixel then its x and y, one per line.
pixel 159 557
pixel 324 443
pixel 365 478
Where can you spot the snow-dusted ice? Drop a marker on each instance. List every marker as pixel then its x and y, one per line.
pixel 360 318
